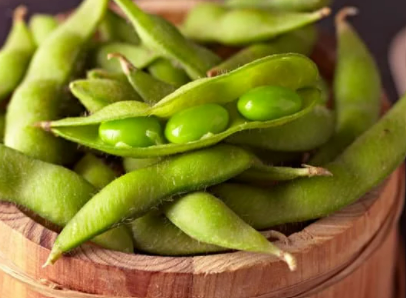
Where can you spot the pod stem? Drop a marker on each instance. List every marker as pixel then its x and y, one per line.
pixel 289 260
pixel 19 13
pixel 324 12
pixel 317 171
pixel 344 13
pixel 126 65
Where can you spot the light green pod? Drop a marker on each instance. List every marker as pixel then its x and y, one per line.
pixel 300 41
pixel 138 55
pixel 41 94
pixel 205 218
pixel 365 164
pixel 213 22
pixel 95 94
pixel 291 5
pixel 165 39
pixel 154 233
pixel 136 193
pixel 292 71
pixel 166 71
pixel 357 90
pixel 41 26
pixel 53 192
pixel 95 171
pixel 304 134
pixel 115 28
pixel 15 54
pixel 150 89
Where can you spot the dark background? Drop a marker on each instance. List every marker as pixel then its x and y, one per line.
pixel 377 23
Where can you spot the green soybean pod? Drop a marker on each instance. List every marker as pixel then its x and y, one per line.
pixel 154 233
pixel 205 218
pixel 115 28
pixel 166 71
pixel 134 194
pixel 360 168
pixel 53 192
pixel 357 90
pixel 291 5
pixel 296 136
pixel 95 94
pixel 196 123
pixel 41 26
pixel 263 175
pixel 40 95
pixel 95 171
pixel 16 54
pixel 150 89
pixel 138 55
pixel 213 22
pixel 165 39
pixel 300 41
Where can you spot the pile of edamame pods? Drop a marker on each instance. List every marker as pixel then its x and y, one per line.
pixel 135 135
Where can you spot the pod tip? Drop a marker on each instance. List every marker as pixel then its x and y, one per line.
pixel 324 12
pixel 45 125
pixel 289 260
pixel 212 73
pixel 317 171
pixel 346 12
pixel 53 257
pixel 126 65
pixel 19 13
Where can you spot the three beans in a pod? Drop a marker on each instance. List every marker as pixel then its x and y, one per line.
pixel 260 104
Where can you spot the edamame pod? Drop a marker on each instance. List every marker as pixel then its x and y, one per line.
pixel 149 88
pixel 357 90
pixel 300 41
pixel 154 233
pixel 138 55
pixel 53 192
pixel 134 194
pixel 40 95
pixel 166 71
pixel 293 71
pixel 95 94
pixel 360 168
pixel 95 171
pixel 15 54
pixel 291 5
pixel 41 26
pixel 115 28
pixel 165 39
pixel 207 219
pixel 262 174
pixel 296 136
pixel 213 22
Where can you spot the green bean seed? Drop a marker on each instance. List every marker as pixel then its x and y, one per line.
pixel 268 103
pixel 134 194
pixel 296 136
pixel 149 88
pixel 154 233
pixel 360 168
pixel 164 38
pixel 97 93
pixel 357 90
pixel 293 71
pixel 15 54
pixel 213 22
pixel 132 132
pixel 300 41
pixel 292 5
pixel 195 123
pixel 95 171
pixel 115 28
pixel 53 192
pixel 41 26
pixel 138 55
pixel 166 71
pixel 41 94
pixel 207 219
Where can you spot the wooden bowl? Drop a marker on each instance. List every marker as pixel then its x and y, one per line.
pixel 350 254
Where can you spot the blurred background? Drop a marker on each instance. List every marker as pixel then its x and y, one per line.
pixel 378 23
